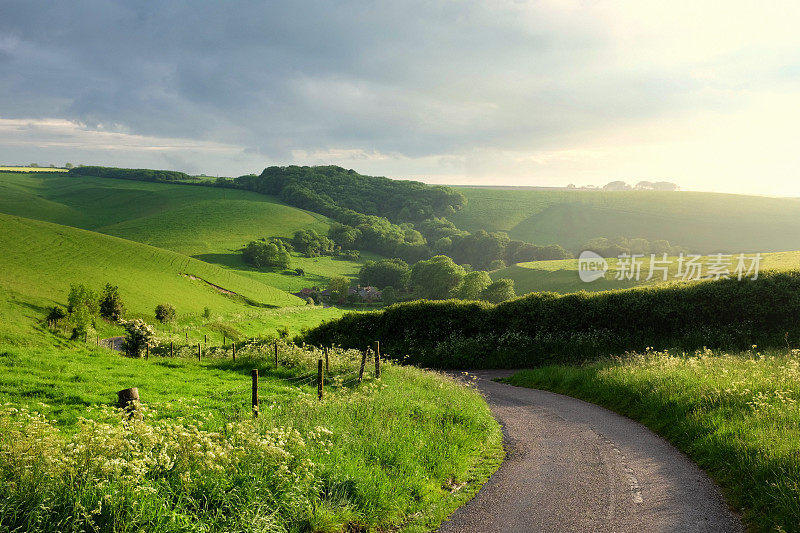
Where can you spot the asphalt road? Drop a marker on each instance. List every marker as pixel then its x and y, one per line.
pixel 573 466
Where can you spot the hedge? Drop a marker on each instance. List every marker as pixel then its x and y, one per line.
pixel 544 328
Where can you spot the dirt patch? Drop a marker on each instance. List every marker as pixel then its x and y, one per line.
pixel 217 287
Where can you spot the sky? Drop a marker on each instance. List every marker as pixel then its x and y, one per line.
pixel 544 93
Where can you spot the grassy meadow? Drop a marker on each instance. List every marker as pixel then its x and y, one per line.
pixel 700 221
pixel 41 260
pixel 399 452
pixel 735 415
pixel 207 223
pixel 561 276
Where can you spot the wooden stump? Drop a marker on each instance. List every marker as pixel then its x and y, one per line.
pixel 127 400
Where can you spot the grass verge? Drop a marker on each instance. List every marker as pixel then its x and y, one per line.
pixel 736 416
pixel 400 452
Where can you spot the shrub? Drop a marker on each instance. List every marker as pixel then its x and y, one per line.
pixel 111 306
pixel 165 313
pixel 56 313
pixel 138 336
pixel 81 295
pixel 206 312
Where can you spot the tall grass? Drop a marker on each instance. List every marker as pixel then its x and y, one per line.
pixel 736 415
pixel 385 454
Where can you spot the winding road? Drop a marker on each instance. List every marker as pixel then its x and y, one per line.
pixel 572 466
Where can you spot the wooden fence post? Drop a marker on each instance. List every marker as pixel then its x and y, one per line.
pixel 199 352
pixel 327 365
pixel 147 351
pixel 233 344
pixel 171 349
pixel 85 337
pixel 224 340
pixel 254 374
pixel 205 339
pixel 276 355
pixel 363 364
pixel 187 337
pixel 98 341
pixel 320 379
pixel 377 349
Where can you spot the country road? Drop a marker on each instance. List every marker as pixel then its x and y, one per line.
pixel 575 467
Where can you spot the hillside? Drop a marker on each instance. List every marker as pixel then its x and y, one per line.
pixel 702 222
pixel 208 223
pixel 40 260
pixel 562 276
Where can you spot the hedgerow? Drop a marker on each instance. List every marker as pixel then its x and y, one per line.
pixel 543 328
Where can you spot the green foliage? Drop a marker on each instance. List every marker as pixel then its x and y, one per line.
pixel 338 285
pixel 499 291
pixel 394 272
pixel 735 415
pixel 389 295
pixel 111 306
pixel 262 254
pixel 328 189
pixel 206 312
pixel 312 244
pixel 344 235
pixel 545 327
pixel 473 285
pixel 436 278
pixel 81 296
pixel 139 174
pixel 165 313
pixel 56 313
pixel 138 337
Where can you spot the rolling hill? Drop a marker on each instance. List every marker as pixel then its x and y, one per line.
pixel 207 223
pixel 702 222
pixel 40 260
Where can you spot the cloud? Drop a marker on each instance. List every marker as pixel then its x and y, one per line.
pixel 402 88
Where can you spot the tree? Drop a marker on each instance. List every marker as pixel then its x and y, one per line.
pixel 473 285
pixel 338 285
pixel 437 277
pixel 165 313
pixel 616 186
pixel 665 186
pixel 68 165
pixel 138 336
pixel 81 296
pixel 388 295
pixel 262 254
pixel 499 291
pixel 386 272
pixel 343 235
pixel 111 306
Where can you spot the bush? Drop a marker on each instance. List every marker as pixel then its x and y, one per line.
pixel 261 254
pixel 543 328
pixel 138 336
pixel 206 312
pixel 56 313
pixel 111 306
pixel 165 313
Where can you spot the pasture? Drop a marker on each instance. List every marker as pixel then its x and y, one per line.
pixel 208 223
pixel 700 221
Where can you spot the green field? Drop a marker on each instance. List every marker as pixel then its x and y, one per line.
pixel 375 456
pixel 736 416
pixel 40 260
pixel 562 276
pixel 702 222
pixel 208 223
